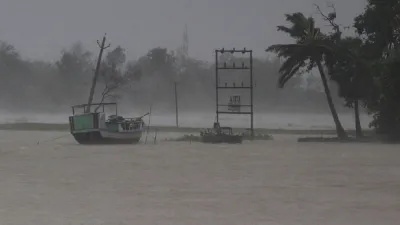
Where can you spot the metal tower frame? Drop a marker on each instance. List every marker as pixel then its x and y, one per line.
pixel 219 52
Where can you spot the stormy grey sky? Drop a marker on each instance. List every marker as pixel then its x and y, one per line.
pixel 41 28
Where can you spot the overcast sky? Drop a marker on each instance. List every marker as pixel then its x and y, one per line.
pixel 41 28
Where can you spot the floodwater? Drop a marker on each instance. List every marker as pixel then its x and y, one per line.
pixel 278 182
pixel 204 120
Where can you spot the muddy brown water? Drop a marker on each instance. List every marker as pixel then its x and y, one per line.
pixel 264 182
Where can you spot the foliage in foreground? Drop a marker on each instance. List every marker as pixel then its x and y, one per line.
pixel 310 49
pixel 379 25
pixel 366 66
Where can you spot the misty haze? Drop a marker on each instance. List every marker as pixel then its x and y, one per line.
pixel 52 69
pixel 137 112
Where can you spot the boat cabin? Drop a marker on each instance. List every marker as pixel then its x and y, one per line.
pixel 81 119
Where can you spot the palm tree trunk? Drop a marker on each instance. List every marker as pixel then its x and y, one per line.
pixel 357 119
pixel 339 128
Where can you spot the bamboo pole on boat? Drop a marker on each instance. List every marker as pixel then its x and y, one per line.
pixel 155 136
pixel 148 125
pixel 96 73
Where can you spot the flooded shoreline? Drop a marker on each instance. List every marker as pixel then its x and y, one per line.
pixel 261 182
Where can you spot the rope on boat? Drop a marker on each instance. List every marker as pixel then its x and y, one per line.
pixel 53 139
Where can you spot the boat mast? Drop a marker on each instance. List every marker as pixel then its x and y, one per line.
pixel 96 73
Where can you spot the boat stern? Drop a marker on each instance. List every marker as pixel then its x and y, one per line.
pixel 84 122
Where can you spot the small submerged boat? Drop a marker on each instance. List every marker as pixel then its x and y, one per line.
pixel 220 134
pixel 98 128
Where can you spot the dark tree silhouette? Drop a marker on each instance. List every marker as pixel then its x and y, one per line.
pixel 309 50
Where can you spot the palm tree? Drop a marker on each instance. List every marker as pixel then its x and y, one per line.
pixel 309 50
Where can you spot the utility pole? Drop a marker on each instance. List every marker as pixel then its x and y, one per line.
pixel 183 53
pixel 249 87
pixel 96 73
pixel 176 104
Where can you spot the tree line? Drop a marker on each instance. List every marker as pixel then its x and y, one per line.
pixel 365 66
pixel 53 86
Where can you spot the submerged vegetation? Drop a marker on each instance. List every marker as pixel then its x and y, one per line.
pixel 246 137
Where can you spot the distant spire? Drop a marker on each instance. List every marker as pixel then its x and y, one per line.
pixel 183 50
pixel 185 45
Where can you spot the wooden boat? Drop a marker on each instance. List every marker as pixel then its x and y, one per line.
pixel 98 128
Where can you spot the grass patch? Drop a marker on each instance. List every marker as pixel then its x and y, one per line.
pixel 246 137
pixel 257 137
pixel 187 138
pixel 336 139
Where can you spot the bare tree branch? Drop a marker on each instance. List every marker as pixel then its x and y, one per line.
pixel 113 81
pixel 331 17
